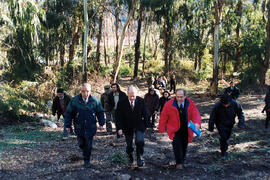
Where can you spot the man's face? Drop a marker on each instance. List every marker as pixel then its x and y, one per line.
pixel 114 88
pixel 180 97
pixel 85 92
pixel 152 92
pixel 232 85
pixel 131 95
pixel 226 105
pixel 60 95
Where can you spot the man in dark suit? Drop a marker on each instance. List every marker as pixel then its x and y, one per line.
pixel 114 98
pixel 59 106
pixel 132 119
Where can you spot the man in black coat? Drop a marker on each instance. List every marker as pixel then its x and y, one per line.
pixel 232 91
pixel 114 98
pixel 132 119
pixel 59 106
pixel 223 116
pixel 267 107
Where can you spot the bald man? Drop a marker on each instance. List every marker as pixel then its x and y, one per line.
pixel 83 111
pixel 132 120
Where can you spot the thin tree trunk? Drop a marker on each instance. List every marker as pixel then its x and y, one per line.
pixel 98 42
pixel 165 43
pixel 116 33
pixel 119 56
pixel 238 48
pixel 84 68
pixel 265 64
pixel 144 45
pixel 138 42
pixel 105 50
pixel 218 10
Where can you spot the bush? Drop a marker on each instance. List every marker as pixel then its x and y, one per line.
pixel 125 70
pixel 18 101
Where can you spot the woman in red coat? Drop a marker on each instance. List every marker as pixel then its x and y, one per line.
pixel 174 118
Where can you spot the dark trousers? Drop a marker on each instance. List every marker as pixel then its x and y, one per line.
pixel 267 119
pixel 180 143
pixel 153 120
pixel 139 142
pixel 225 134
pixel 86 146
pixel 173 87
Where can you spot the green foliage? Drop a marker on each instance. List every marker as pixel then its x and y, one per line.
pixel 22 42
pixel 154 67
pixel 15 102
pixel 125 70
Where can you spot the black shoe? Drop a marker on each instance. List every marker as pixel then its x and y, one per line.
pixel 87 164
pixel 130 158
pixel 140 162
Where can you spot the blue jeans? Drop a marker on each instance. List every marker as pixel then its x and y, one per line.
pixel 139 141
pixel 86 146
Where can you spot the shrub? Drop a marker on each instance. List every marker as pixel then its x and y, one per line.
pixel 125 70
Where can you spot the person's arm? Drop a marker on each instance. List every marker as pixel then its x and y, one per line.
pixel 100 114
pixel 70 114
pixel 240 113
pixel 212 119
pixel 102 100
pixel 119 118
pixel 164 117
pixel 237 93
pixel 146 115
pixel 54 106
pixel 196 117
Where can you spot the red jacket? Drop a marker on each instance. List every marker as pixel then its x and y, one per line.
pixel 170 120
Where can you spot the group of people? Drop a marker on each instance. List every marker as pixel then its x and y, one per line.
pixel 132 115
pixel 161 83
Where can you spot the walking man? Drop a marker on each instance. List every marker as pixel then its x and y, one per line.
pixel 114 98
pixel 104 99
pixel 152 103
pixel 223 116
pixel 59 106
pixel 83 111
pixel 132 120
pixel 174 118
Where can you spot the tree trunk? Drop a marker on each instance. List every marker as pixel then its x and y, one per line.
pixel 265 64
pixel 119 56
pixel 62 55
pixel 98 42
pixel 238 27
pixel 116 33
pixel 196 63
pixel 166 49
pixel 84 68
pixel 105 50
pixel 144 46
pixel 138 42
pixel 214 83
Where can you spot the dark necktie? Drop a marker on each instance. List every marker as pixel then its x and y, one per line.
pixel 131 105
pixel 181 108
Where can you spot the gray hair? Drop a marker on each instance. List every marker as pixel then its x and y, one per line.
pixel 181 89
pixel 87 85
pixel 132 88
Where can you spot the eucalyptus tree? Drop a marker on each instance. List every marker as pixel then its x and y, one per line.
pixel 131 4
pixel 24 21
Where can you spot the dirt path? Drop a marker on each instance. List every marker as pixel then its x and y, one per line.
pixel 249 153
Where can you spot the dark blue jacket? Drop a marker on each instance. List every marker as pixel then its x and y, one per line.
pixel 84 116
